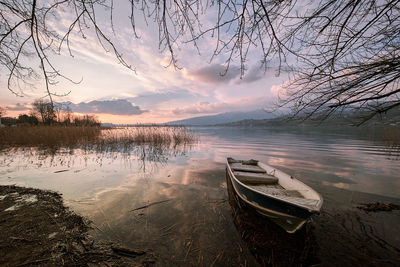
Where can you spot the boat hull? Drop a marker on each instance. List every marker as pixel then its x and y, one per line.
pixel 289 217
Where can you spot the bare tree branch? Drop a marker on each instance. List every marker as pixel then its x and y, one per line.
pixel 341 54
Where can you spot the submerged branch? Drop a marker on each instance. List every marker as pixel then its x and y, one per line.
pixel 151 204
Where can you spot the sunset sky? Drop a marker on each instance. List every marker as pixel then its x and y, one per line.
pixel 154 93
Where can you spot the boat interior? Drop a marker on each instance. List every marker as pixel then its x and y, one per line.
pixel 257 178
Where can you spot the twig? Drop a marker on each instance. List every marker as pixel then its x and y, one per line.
pixel 32 262
pixel 188 250
pixel 61 171
pixel 167 228
pixel 151 204
pixel 127 251
pixel 20 239
pixel 217 258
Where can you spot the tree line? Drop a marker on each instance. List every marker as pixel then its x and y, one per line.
pixel 44 112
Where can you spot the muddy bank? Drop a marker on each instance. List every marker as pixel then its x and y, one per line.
pixel 36 229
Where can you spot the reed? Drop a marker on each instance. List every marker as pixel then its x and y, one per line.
pixel 97 138
pixel 148 135
pixel 391 137
pixel 47 136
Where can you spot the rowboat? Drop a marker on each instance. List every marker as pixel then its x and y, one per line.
pixel 285 200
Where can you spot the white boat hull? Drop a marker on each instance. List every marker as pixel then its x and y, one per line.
pixel 291 213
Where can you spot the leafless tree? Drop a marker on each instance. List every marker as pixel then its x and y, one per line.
pixel 340 53
pixel 45 109
pixel 3 112
pixel 27 32
pixel 86 120
pixel 58 111
pixel 349 59
pixel 67 114
pixel 39 107
pixel 62 112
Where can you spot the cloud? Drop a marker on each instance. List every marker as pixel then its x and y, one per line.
pixel 19 107
pixel 254 74
pixel 215 73
pixel 114 107
pixel 154 98
pixel 202 107
pixel 242 104
pixel 280 90
pixel 169 97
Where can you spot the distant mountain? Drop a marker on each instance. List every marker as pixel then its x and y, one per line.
pixel 345 118
pixel 108 124
pixel 222 118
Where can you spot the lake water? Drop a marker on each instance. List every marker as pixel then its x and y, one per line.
pixel 175 202
pixel 352 158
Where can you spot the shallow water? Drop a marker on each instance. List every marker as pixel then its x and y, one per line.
pixel 175 202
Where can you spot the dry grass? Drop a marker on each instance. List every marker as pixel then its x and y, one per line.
pixel 154 135
pixel 47 136
pixel 97 138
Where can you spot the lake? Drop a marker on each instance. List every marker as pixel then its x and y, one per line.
pixel 175 202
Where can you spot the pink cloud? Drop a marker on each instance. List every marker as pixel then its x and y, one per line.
pixel 19 107
pixel 202 107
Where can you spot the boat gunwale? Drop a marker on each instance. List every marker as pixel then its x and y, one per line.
pixel 315 210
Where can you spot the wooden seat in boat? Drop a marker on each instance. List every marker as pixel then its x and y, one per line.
pixel 255 178
pixel 246 168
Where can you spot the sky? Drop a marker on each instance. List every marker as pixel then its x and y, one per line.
pixel 153 93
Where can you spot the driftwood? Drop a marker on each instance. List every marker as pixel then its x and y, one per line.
pixel 151 204
pixel 127 251
pixel 377 206
pixel 61 171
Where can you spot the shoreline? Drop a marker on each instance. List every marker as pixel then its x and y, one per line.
pixel 38 229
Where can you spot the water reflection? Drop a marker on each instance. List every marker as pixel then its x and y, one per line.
pixel 183 224
pixel 195 226
pixel 79 173
pixel 354 158
pixel 269 243
pixel 145 155
pixel 391 137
